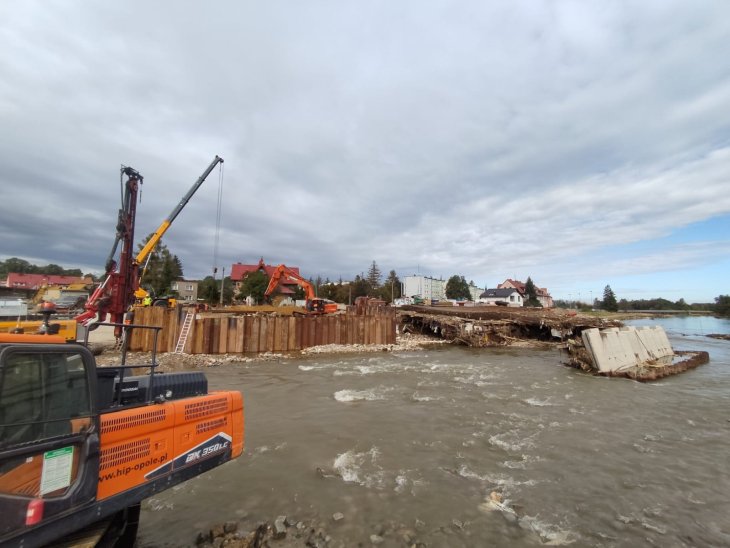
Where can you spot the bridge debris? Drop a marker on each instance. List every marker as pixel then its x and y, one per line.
pixel 642 354
pixel 490 326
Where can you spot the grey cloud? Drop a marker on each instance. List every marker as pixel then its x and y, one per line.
pixel 476 139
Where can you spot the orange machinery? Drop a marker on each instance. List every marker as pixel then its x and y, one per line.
pixel 80 445
pixel 315 305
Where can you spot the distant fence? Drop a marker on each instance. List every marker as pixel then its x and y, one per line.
pixel 256 333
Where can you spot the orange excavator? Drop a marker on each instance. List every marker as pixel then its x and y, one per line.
pixel 82 446
pixel 314 304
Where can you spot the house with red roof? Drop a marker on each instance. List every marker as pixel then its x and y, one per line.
pixel 239 271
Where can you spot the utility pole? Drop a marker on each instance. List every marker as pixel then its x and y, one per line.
pixel 223 281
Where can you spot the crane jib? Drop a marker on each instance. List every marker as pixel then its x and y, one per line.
pixel 147 249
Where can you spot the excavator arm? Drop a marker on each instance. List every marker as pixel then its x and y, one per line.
pixel 283 270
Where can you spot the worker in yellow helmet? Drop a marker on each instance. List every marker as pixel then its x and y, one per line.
pixel 147 301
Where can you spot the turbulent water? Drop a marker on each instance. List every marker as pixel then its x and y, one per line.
pixel 414 443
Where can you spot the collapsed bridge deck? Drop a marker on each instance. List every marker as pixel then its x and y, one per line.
pixel 497 326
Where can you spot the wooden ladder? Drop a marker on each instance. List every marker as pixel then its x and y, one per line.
pixel 187 323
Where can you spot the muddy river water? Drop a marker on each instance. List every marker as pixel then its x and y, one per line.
pixel 409 446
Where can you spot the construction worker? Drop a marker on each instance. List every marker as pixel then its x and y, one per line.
pixel 147 301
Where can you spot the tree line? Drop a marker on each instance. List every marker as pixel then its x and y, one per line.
pixel 721 306
pixel 164 267
pixel 370 284
pixel 21 266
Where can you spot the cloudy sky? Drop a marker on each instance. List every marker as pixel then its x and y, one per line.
pixel 579 143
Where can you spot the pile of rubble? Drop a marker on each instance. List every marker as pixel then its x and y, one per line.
pixel 496 326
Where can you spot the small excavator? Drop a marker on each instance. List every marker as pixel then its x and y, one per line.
pixel 314 304
pixel 81 446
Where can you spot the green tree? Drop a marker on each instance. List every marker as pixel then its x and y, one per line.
pixel 209 291
pixel 54 269
pixel 609 299
pixel 359 287
pixel 722 305
pixel 328 290
pixel 228 290
pixel 162 268
pixel 21 266
pixel 374 276
pixel 531 294
pixel 391 287
pixel 457 288
pixel 254 284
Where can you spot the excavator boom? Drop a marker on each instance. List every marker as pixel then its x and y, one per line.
pixel 315 305
pixel 283 270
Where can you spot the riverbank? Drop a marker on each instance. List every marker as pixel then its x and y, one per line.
pixel 175 362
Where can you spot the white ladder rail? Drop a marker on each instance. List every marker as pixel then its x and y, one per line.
pixel 187 323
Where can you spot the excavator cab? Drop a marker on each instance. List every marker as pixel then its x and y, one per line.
pixel 49 434
pixel 80 445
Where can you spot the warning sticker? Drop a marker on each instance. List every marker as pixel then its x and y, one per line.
pixel 57 466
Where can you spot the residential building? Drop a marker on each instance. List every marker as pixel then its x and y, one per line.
pixel 508 295
pixel 543 295
pixel 187 290
pixel 432 289
pixel 475 292
pixel 425 287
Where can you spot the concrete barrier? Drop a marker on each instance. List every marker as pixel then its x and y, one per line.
pixel 617 349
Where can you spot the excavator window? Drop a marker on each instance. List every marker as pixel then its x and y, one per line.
pixel 42 396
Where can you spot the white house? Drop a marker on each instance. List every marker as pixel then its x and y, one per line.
pixel 509 296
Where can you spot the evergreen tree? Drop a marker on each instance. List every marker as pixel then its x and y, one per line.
pixel 609 299
pixel 374 276
pixel 360 288
pixel 457 288
pixel 391 287
pixel 531 294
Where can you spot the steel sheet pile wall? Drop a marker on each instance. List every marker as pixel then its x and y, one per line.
pixel 263 332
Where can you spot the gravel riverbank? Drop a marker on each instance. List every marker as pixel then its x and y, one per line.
pixel 108 356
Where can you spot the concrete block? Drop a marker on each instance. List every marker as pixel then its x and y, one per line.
pixel 616 349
